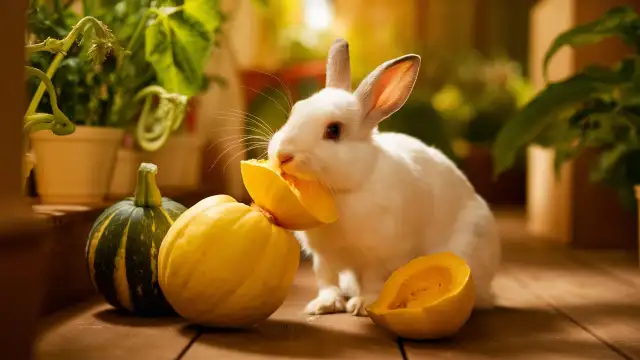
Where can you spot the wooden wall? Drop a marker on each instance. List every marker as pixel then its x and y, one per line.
pixel 21 253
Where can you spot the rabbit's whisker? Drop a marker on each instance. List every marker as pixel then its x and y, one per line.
pixel 286 113
pixel 243 127
pixel 255 146
pixel 238 138
pixel 246 116
pixel 289 96
pixel 234 146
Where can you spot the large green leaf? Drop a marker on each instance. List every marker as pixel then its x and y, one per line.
pixel 607 160
pixel 617 21
pixel 207 11
pixel 542 110
pixel 178 45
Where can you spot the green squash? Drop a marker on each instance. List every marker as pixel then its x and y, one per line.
pixel 122 249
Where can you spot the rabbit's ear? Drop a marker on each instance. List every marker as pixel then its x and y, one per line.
pixel 387 88
pixel 338 66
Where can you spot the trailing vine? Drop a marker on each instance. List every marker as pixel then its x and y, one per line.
pixel 103 42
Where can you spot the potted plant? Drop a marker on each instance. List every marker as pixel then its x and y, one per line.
pixel 92 150
pixel 143 90
pixel 478 97
pixel 161 135
pixel 596 110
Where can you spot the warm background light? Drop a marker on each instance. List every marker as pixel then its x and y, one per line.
pixel 317 14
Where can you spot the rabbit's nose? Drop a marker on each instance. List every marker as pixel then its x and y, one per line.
pixel 284 157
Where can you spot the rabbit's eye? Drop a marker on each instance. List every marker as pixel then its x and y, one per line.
pixel 333 131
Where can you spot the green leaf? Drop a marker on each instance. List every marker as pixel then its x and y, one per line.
pixel 178 46
pixel 606 161
pixel 615 22
pixel 261 3
pixel 207 11
pixel 566 142
pixel 555 100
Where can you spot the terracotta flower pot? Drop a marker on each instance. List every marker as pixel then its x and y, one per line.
pixel 76 168
pixel 27 166
pixel 123 181
pixel 179 162
pixel 508 189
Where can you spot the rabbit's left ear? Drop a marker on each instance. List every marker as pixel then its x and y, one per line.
pixel 338 66
pixel 387 88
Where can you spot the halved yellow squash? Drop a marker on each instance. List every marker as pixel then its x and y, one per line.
pixel 431 297
pixel 295 204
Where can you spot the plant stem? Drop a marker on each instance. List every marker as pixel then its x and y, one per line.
pixel 150 141
pixel 50 45
pixel 147 193
pixel 150 90
pixel 163 120
pixel 61 124
pixel 120 60
pixel 138 31
pixel 66 45
pixel 37 122
pixel 86 8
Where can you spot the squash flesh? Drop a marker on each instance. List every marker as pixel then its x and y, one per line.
pixel 430 297
pixel 295 204
pixel 423 288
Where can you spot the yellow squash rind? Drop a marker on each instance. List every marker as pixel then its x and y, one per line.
pixel 224 264
pixel 438 312
pixel 294 203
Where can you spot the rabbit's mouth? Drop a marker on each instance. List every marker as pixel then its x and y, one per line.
pixel 297 170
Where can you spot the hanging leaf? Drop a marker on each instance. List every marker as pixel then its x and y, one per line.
pixel 178 46
pixel 606 161
pixel 543 109
pixel 616 22
pixel 261 3
pixel 206 11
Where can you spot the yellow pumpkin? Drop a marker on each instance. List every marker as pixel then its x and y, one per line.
pixel 295 204
pixel 431 297
pixel 225 264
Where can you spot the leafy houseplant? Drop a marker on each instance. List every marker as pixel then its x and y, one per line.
pixel 478 97
pixel 144 89
pixel 102 42
pixel 598 108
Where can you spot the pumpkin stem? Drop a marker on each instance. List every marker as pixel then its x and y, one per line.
pixel 147 193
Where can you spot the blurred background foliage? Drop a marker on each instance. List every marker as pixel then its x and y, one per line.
pixel 463 94
pixel 473 76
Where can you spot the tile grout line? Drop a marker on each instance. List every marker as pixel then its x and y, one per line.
pixel 403 352
pixel 191 342
pixel 592 333
pixel 563 313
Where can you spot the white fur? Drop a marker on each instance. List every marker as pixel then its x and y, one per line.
pixel 397 199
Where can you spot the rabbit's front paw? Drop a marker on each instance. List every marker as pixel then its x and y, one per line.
pixel 356 306
pixel 327 302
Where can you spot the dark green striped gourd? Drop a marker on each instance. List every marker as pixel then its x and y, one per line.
pixel 122 249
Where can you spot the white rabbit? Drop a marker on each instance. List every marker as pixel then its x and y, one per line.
pixel 397 198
